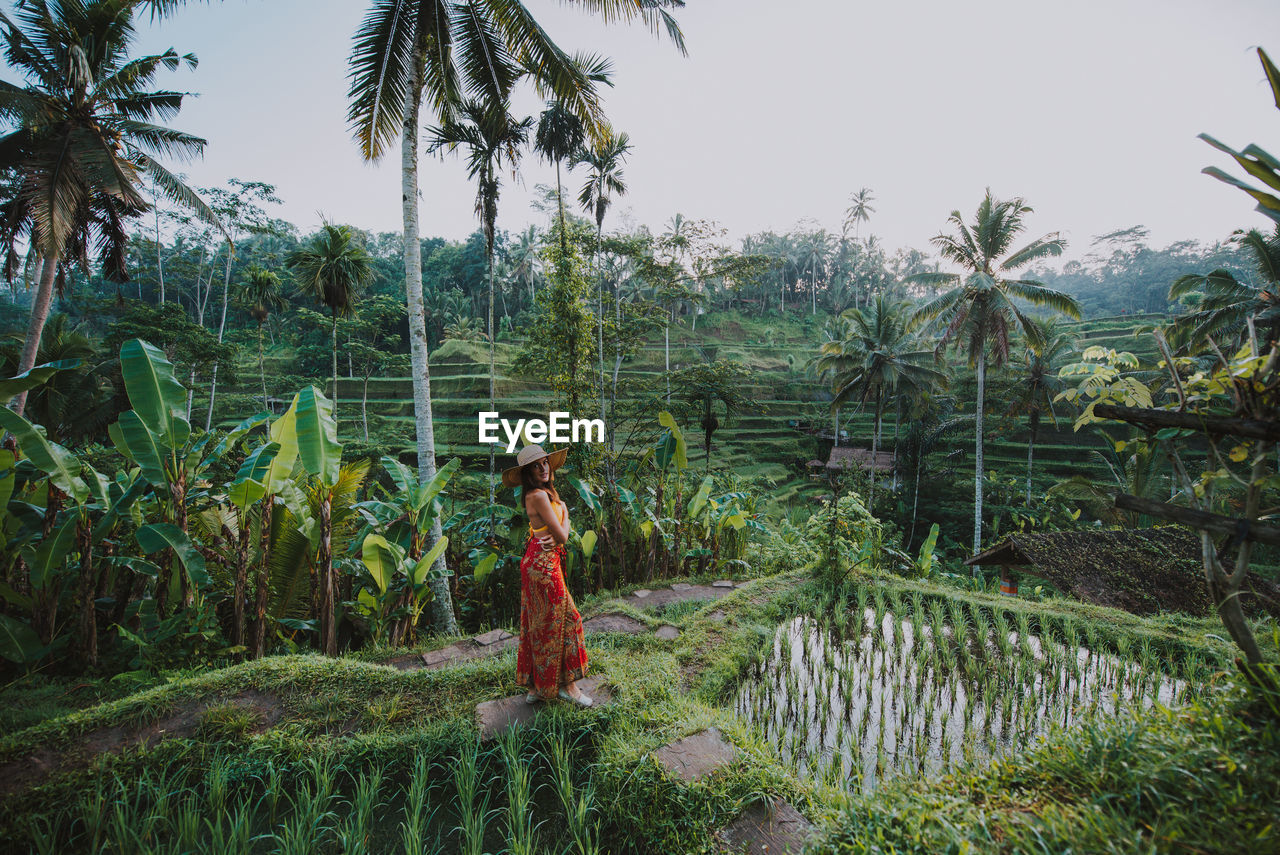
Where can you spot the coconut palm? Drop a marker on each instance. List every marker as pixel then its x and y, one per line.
pixel 261 295
pixel 333 268
pixel 560 133
pixel 85 141
pixel 605 157
pixel 492 138
pixel 410 50
pixel 872 354
pixel 859 210
pixel 1035 390
pixel 980 308
pixel 1226 303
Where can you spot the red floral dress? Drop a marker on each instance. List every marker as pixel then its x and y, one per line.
pixel 553 651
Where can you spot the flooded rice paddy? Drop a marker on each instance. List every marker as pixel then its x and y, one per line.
pixel 871 695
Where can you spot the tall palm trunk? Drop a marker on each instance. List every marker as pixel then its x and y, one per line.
pixel 159 258
pixel 222 327
pixel 875 448
pixel 667 350
pixel 978 463
pixel 333 344
pixel 1031 444
pixel 489 248
pixel 35 328
pixel 441 601
pixel 262 369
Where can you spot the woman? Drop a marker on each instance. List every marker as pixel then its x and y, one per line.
pixel 553 654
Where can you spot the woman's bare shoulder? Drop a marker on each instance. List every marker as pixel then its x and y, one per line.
pixel 537 500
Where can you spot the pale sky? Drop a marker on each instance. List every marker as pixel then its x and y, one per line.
pixel 1088 109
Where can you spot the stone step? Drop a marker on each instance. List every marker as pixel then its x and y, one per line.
pixel 498 716
pixel 678 593
pixel 696 755
pixel 766 827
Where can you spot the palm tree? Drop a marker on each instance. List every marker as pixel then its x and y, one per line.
pixel 816 248
pixel 871 355
pixel 1228 304
pixel 605 157
pixel 560 133
pixel 261 295
pixel 333 268
pixel 980 308
pixel 859 210
pixel 491 136
pixel 85 138
pixel 525 258
pixel 1034 392
pixel 408 50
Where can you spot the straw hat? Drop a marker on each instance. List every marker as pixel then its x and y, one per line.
pixel 531 454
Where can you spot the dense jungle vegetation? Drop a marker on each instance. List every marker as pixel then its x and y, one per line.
pixel 234 512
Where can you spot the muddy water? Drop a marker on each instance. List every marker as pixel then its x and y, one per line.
pixel 876 702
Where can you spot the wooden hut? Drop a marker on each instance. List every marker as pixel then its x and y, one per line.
pixel 1143 571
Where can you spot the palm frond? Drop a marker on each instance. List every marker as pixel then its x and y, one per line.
pixel 381 67
pixel 1046 247
pixel 176 190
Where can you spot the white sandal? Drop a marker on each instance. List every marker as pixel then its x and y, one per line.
pixel 532 698
pixel 581 700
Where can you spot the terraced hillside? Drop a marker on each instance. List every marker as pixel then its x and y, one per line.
pixel 789 425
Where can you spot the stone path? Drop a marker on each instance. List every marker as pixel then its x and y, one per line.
pixel 678 593
pixel 497 640
pixel 766 827
pixel 696 755
pixel 496 717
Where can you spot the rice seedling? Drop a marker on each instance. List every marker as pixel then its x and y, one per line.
pixel 473 801
pixel 520 827
pixel 235 836
pixel 356 828
pixel 414 825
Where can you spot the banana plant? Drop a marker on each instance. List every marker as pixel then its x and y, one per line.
pixel 321 456
pixel 398 592
pixel 91 513
pixel 402 520
pixel 156 437
pixel 709 518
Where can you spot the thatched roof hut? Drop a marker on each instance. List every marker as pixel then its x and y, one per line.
pixel 1143 571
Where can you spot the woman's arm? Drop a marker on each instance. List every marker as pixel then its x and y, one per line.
pixel 539 501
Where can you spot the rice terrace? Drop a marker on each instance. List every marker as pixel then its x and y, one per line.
pixel 639 427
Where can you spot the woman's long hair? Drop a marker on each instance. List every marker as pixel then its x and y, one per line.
pixel 528 486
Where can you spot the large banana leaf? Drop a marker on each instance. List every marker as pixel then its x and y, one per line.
pixel 158 536
pixel 236 434
pixel 425 494
pixel 156 395
pixel 6 478
pixel 284 431
pixel 120 506
pixel 672 446
pixel 423 566
pixel 318 446
pixel 143 446
pixel 19 642
pixel 402 476
pixel 250 482
pixel 699 500
pixel 382 559
pixel 52 552
pixel 30 379
pixel 62 467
